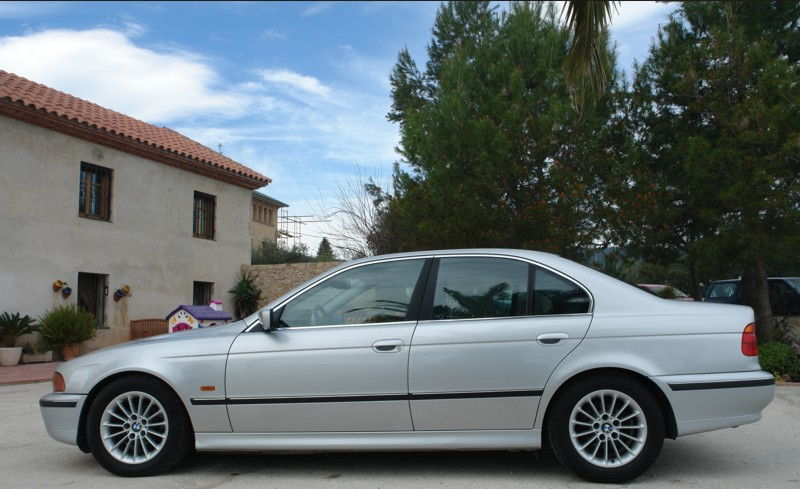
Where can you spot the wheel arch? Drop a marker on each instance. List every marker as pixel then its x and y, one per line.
pixel 101 384
pixel 666 408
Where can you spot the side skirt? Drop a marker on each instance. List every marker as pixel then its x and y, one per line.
pixel 357 441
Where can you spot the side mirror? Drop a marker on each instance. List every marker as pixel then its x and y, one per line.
pixel 268 323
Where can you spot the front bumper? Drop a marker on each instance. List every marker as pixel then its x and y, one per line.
pixel 61 413
pixel 706 402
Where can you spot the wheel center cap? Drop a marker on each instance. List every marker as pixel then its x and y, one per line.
pixel 608 428
pixel 136 427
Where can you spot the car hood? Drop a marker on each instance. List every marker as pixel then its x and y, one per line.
pixel 205 341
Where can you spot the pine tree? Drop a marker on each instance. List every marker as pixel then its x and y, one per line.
pixel 493 152
pixel 325 251
pixel 716 110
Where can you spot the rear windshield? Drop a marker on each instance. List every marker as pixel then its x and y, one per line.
pixel 723 290
pixel 794 283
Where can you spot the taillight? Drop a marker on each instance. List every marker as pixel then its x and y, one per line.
pixel 749 342
pixel 58 382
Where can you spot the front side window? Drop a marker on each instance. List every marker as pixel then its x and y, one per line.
pixel 473 287
pixel 553 294
pixel 204 209
pixel 377 293
pixel 94 192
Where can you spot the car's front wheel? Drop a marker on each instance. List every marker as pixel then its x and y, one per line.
pixel 137 427
pixel 606 429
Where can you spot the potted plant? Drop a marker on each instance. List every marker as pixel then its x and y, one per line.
pixel 13 326
pixel 65 328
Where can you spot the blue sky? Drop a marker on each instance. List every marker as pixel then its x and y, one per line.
pixel 298 90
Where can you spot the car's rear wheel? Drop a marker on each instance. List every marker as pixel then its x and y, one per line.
pixel 607 428
pixel 137 427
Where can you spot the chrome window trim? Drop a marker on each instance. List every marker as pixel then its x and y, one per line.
pixel 425 257
pixel 355 325
pixel 531 316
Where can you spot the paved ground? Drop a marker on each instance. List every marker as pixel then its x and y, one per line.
pixel 764 454
pixel 30 372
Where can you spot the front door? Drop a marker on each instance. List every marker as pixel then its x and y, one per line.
pixel 338 360
pixel 491 332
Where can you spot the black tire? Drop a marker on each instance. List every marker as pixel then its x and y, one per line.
pixel 179 437
pixel 558 429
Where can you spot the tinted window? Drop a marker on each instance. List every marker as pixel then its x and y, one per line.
pixel 480 288
pixel 553 294
pixel 723 290
pixel 376 293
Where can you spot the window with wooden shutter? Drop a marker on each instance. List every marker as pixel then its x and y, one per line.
pixel 94 192
pixel 204 210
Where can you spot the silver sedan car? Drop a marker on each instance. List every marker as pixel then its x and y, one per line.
pixel 441 350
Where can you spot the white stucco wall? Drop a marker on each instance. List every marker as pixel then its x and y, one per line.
pixel 148 244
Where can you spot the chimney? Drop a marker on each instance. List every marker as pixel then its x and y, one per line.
pixel 216 305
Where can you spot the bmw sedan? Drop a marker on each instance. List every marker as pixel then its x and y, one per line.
pixel 441 350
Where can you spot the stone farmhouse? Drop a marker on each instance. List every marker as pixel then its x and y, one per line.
pixel 99 200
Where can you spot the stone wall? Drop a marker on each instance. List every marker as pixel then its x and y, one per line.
pixel 276 280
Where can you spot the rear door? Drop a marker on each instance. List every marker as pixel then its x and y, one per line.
pixel 492 330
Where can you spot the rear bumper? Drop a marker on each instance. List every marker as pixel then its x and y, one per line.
pixel 61 413
pixel 705 402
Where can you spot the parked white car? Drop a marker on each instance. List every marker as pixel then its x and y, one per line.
pixel 460 349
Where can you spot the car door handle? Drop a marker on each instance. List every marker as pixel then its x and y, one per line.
pixel 551 338
pixel 388 346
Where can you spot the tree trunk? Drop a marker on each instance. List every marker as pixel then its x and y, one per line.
pixel 755 293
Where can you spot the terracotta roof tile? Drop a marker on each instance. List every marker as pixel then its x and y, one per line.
pixel 41 97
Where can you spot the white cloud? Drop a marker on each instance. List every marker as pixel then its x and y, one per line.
pixel 273 35
pixel 638 13
pixel 317 8
pixel 294 80
pixel 104 66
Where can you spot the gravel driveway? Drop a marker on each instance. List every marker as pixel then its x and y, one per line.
pixel 764 454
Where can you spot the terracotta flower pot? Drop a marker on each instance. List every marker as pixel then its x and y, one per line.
pixel 71 351
pixel 57 285
pixel 65 292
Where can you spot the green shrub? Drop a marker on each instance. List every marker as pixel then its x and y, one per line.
pixel 65 325
pixel 780 359
pixel 13 326
pixel 268 253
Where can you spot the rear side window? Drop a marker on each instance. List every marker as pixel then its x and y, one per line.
pixel 553 294
pixel 475 287
pixel 723 290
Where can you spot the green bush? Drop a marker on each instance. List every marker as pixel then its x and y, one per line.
pixel 268 253
pixel 780 359
pixel 13 325
pixel 65 325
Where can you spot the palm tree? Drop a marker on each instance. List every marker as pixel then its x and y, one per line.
pixel 587 63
